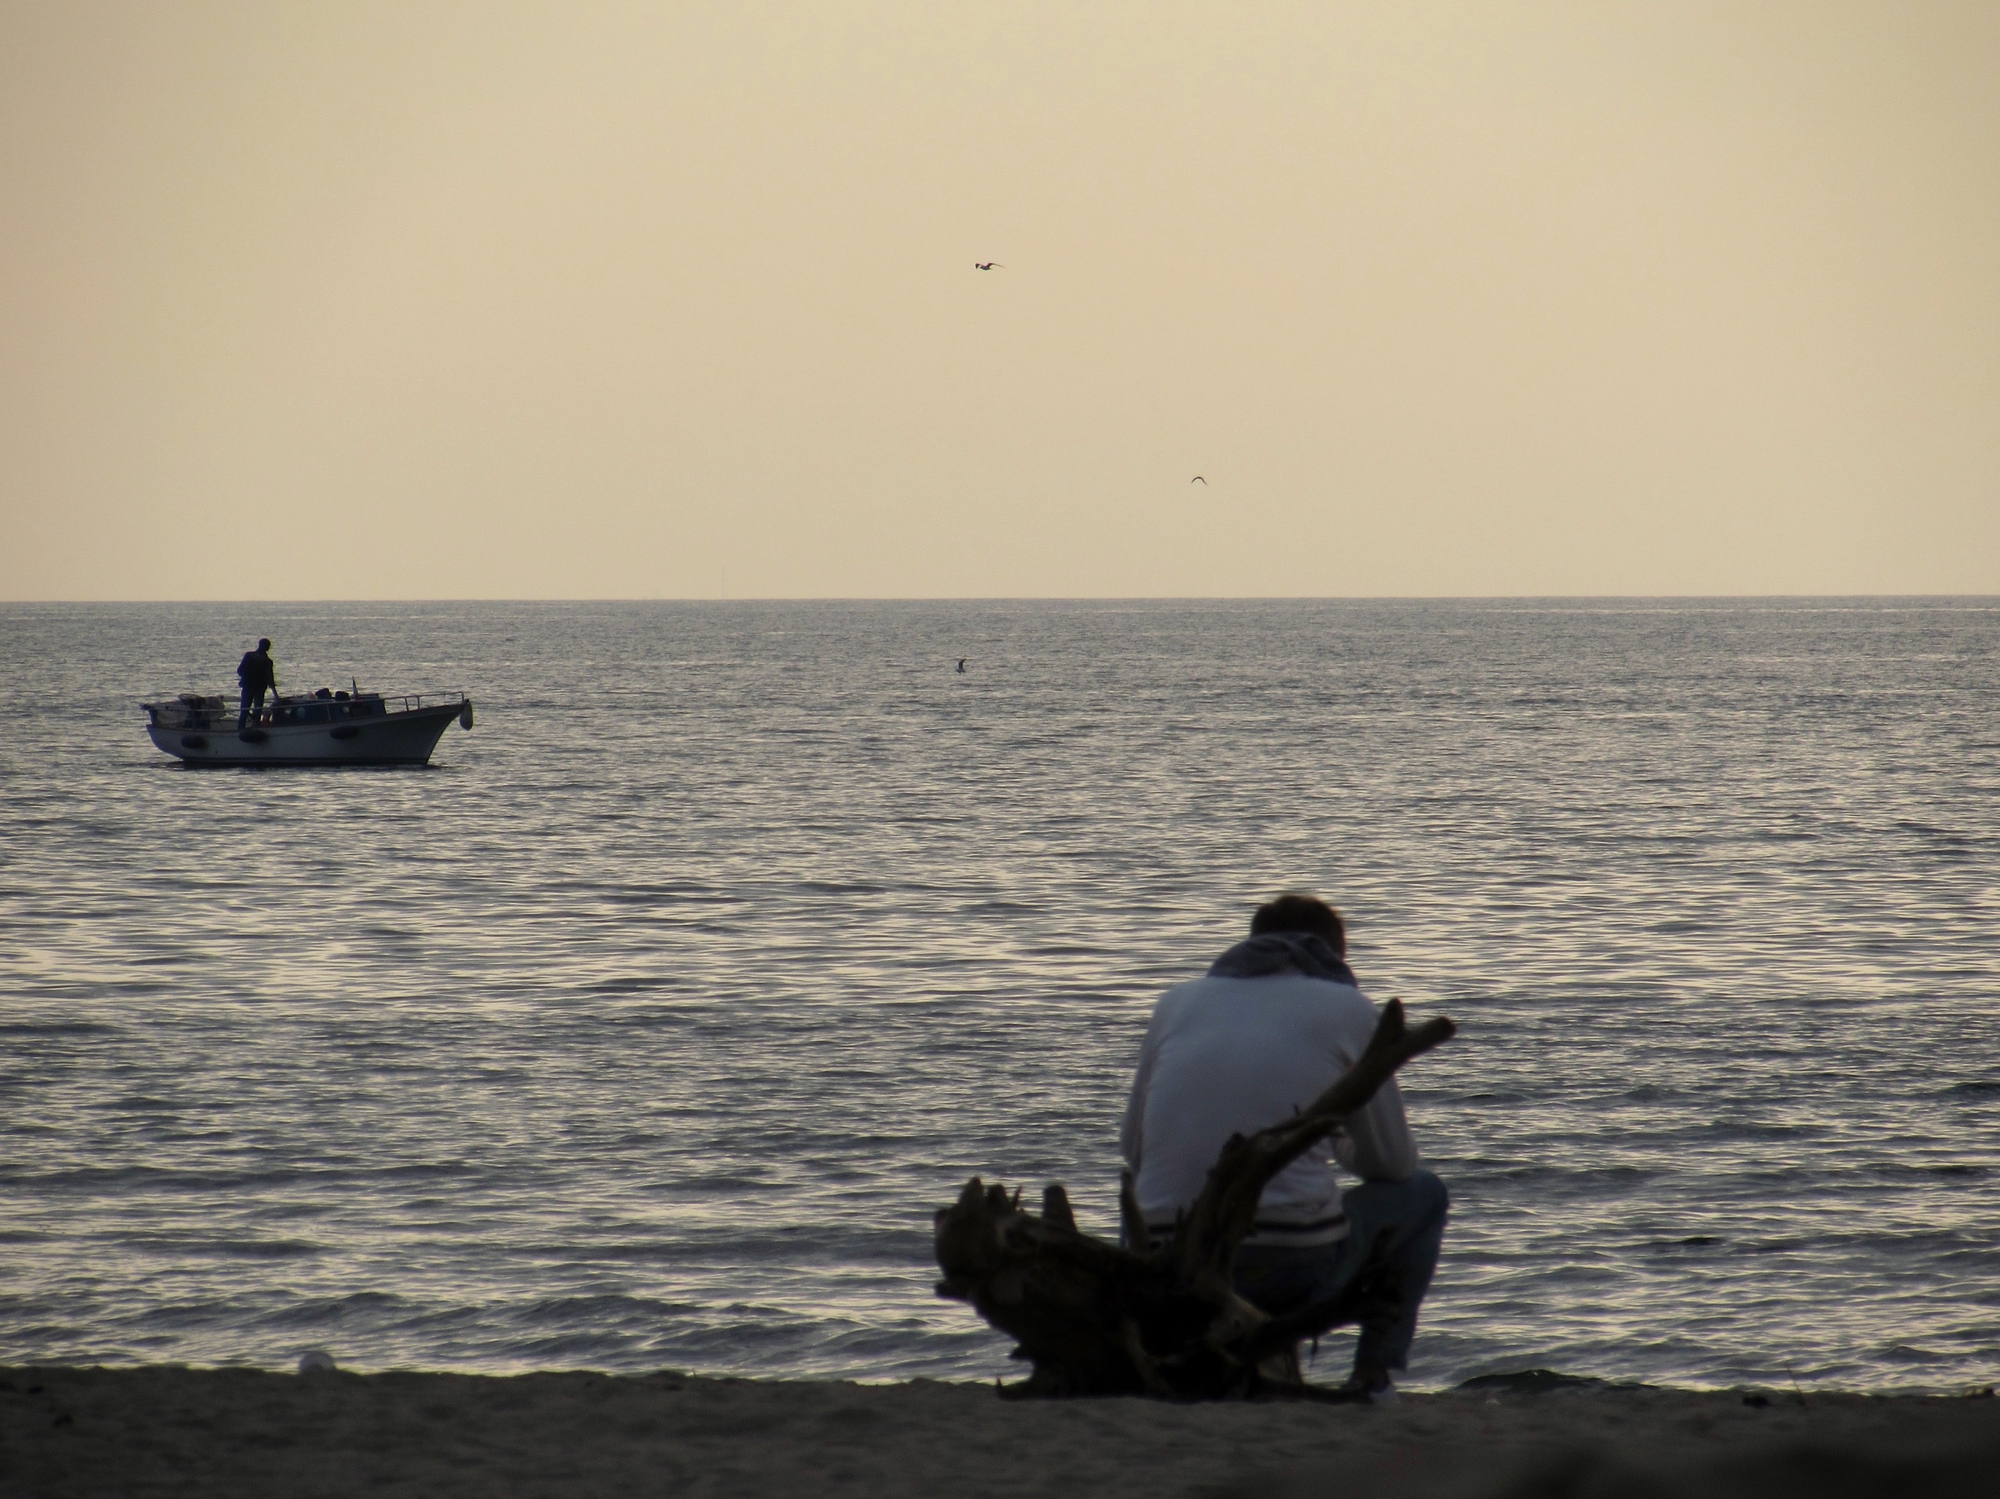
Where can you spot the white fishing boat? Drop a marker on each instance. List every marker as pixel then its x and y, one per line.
pixel 328 728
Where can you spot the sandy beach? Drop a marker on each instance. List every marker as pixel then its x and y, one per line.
pixel 170 1430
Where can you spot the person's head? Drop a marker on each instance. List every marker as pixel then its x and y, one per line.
pixel 263 645
pixel 1292 912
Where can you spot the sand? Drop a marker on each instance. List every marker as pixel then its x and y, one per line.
pixel 170 1430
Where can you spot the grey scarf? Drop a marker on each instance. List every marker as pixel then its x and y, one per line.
pixel 1274 952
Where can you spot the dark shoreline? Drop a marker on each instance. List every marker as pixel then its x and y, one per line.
pixel 173 1430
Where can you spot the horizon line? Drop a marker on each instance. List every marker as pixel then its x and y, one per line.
pixel 1007 598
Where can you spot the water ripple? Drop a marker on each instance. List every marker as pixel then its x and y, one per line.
pixel 649 1026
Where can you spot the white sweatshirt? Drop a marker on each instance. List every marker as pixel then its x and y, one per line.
pixel 1227 1056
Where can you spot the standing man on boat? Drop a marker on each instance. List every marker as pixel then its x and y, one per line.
pixel 1276 1020
pixel 259 674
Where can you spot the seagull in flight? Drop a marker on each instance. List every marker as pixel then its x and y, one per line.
pixel 988 265
pixel 1197 479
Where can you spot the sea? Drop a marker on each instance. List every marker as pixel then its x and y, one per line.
pixel 651 1023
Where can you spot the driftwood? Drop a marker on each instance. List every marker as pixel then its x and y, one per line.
pixel 1098 1319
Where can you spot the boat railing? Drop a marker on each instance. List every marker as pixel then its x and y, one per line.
pixel 192 711
pixel 392 702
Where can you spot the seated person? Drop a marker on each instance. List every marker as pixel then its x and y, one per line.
pixel 1276 1020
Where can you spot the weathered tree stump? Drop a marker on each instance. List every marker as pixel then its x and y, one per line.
pixel 1098 1319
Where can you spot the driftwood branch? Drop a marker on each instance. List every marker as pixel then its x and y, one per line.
pixel 1098 1319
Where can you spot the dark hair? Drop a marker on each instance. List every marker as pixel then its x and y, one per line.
pixel 263 645
pixel 1293 912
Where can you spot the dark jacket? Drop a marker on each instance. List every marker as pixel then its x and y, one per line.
pixel 257 672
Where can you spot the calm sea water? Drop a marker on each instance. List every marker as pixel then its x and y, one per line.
pixel 649 1025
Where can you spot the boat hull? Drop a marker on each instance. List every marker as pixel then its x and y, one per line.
pixel 390 739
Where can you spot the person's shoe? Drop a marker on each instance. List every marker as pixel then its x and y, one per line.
pixel 1371 1387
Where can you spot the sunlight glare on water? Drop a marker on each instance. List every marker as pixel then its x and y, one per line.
pixel 650 1024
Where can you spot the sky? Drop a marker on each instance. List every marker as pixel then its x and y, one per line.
pixel 584 300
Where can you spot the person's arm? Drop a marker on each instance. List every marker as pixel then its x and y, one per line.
pixel 1131 1136
pixel 1377 1144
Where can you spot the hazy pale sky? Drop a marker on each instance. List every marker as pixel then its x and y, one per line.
pixel 378 300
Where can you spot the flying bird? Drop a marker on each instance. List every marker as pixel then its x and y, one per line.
pixel 961 662
pixel 1197 479
pixel 988 265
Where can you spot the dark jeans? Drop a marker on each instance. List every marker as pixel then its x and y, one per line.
pixel 1394 1232
pixel 252 706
